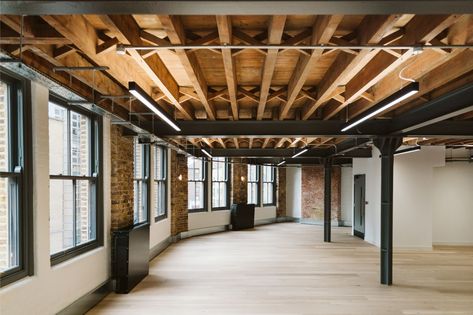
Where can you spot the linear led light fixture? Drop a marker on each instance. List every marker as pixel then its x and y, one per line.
pixel 408 150
pixel 144 98
pixel 300 153
pixel 206 153
pixel 86 68
pixel 390 101
pixel 281 163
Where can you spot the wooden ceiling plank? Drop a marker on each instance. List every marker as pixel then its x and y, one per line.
pixel 84 37
pixel 224 25
pixel 346 66
pixel 176 34
pixel 418 30
pixel 323 30
pixel 128 31
pixel 275 31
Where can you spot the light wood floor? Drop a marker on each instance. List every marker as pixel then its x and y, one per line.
pixel 287 269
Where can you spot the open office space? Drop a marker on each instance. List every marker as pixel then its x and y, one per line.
pixel 236 157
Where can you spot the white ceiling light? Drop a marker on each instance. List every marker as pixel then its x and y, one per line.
pixel 206 153
pixel 137 92
pixel 392 100
pixel 299 153
pixel 281 163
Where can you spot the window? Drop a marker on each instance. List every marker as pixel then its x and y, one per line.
pixel 268 185
pixel 160 187
pixel 196 184
pixel 253 184
pixel 140 181
pixel 15 182
pixel 74 181
pixel 220 187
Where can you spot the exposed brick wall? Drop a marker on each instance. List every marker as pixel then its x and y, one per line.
pixel 281 193
pixel 239 187
pixel 121 152
pixel 313 193
pixel 179 215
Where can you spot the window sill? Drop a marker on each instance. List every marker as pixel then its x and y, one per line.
pixel 160 217
pixel 196 210
pixel 74 252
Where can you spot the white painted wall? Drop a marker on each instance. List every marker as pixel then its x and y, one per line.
pixel 413 192
pixel 347 195
pixel 453 204
pixel 53 288
pixel 293 191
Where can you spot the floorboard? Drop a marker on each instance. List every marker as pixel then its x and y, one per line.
pixel 286 268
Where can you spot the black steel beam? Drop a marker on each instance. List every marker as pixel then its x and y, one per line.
pixel 387 147
pixel 447 106
pixel 231 7
pixel 268 128
pixel 304 128
pixel 327 199
pixel 282 153
pixel 298 161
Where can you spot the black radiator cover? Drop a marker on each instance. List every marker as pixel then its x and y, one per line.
pixel 242 216
pixel 130 256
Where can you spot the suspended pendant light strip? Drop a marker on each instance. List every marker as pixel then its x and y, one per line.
pixel 390 101
pixel 300 153
pixel 144 98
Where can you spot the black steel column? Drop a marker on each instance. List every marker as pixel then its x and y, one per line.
pixel 327 199
pixel 387 147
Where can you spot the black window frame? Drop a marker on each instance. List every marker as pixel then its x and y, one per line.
pixel 163 180
pixel 96 168
pixel 146 189
pixel 204 184
pixel 257 182
pixel 227 183
pixel 273 182
pixel 21 168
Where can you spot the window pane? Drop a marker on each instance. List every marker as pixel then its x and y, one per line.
pixel 58 142
pixel 4 129
pixel 159 163
pixel 139 209
pixel 9 246
pixel 61 216
pixel 138 159
pixel 85 215
pixel 80 144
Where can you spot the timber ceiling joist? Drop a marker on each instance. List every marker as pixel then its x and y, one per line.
pixel 258 95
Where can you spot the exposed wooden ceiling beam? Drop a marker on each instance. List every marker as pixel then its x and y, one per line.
pixel 84 36
pixel 176 34
pixel 275 31
pixel 323 30
pixel 128 31
pixel 421 29
pixel 346 66
pixel 224 25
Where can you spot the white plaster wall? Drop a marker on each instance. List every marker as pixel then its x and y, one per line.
pixel 453 204
pixel 293 191
pixel 161 230
pixel 347 195
pixel 412 196
pixel 53 288
pixel 413 192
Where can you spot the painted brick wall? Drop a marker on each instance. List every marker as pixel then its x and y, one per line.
pixel 122 178
pixel 281 192
pixel 179 217
pixel 239 187
pixel 313 193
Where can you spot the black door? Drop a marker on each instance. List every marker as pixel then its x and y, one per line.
pixel 359 204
